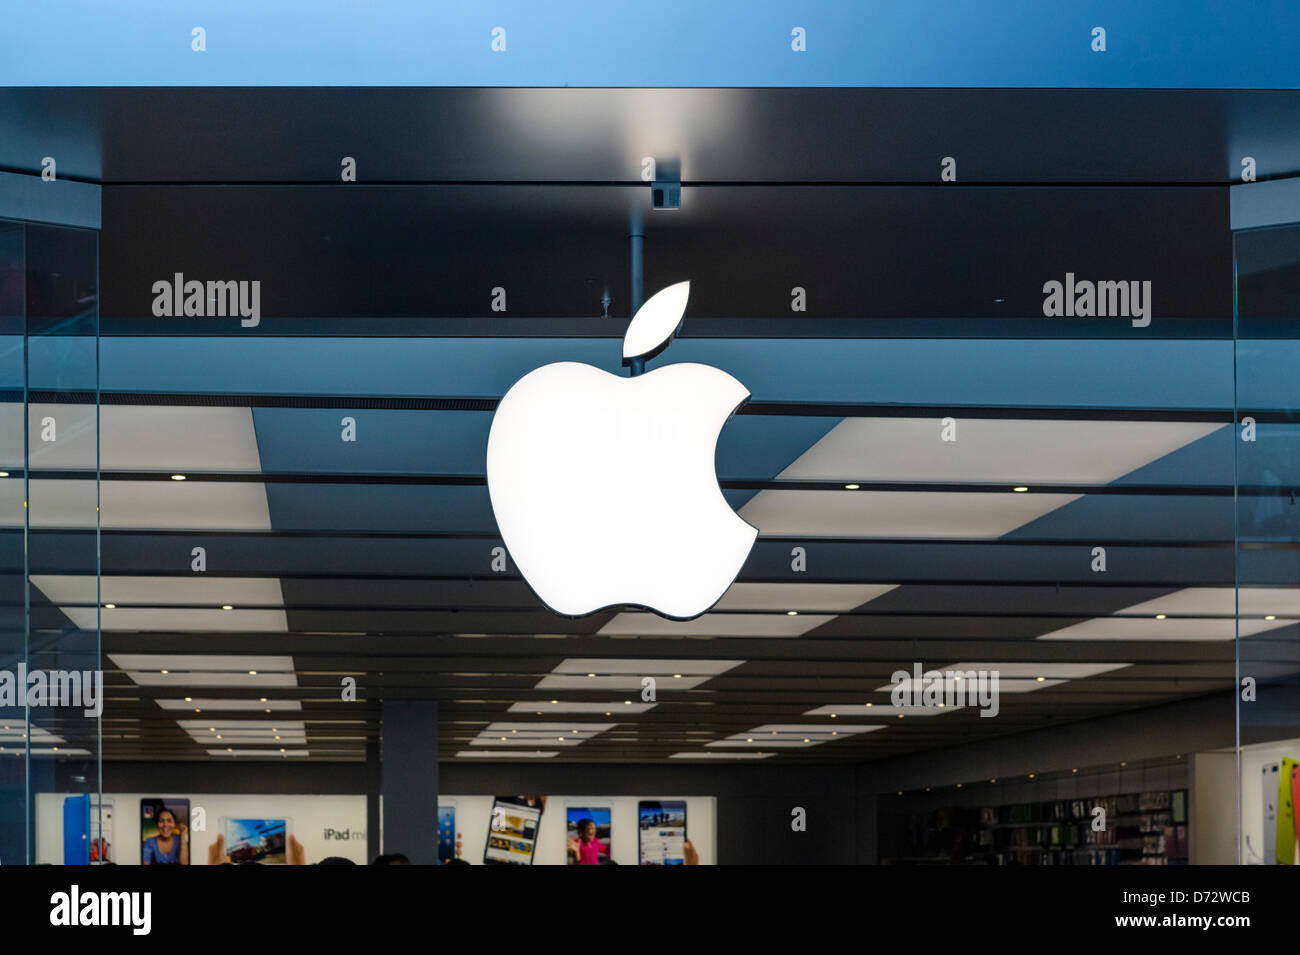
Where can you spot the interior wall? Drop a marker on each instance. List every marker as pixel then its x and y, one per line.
pixel 1212 836
pixel 1156 732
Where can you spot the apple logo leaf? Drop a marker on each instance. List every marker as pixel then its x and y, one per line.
pixel 655 322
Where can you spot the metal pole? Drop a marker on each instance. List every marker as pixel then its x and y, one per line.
pixel 636 242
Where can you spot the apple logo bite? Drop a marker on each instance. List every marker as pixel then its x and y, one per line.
pixel 604 487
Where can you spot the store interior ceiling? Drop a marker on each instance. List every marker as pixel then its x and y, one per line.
pixel 329 561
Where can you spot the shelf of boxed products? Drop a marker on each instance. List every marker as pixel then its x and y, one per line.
pixel 1148 828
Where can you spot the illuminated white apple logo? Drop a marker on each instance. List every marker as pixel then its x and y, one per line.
pixel 604 487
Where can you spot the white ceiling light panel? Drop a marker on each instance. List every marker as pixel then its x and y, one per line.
pixel 210 670
pixel 987 451
pixel 136 438
pixel 138 505
pixel 793 735
pixel 875 709
pixel 805 598
pixel 990 450
pixel 624 708
pixel 715 754
pixel 1013 677
pixel 534 734
pixel 714 625
pixel 496 754
pixel 214 705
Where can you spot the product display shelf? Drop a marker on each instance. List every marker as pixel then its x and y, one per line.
pixel 1145 828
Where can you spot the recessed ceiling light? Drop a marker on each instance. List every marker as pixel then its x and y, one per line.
pixel 959 785
pixel 852 487
pixel 833 715
pixel 792 613
pixel 178 477
pixel 627 702
pixel 1074 770
pixel 227 607
pixel 677 676
pixel 4 473
pixel 992 780
pixel 252 673
pixel 807 741
pixel 162 671
pixel 1020 490
pixel 189 699
pixel 1123 764
pixel 110 606
pixel 1162 616
pixel 1040 679
pixel 589 676
pixel 1271 617
pixel 609 714
pixel 555 701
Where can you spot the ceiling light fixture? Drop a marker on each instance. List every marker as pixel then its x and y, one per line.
pixel 178 477
pixel 1020 489
pixel 852 487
